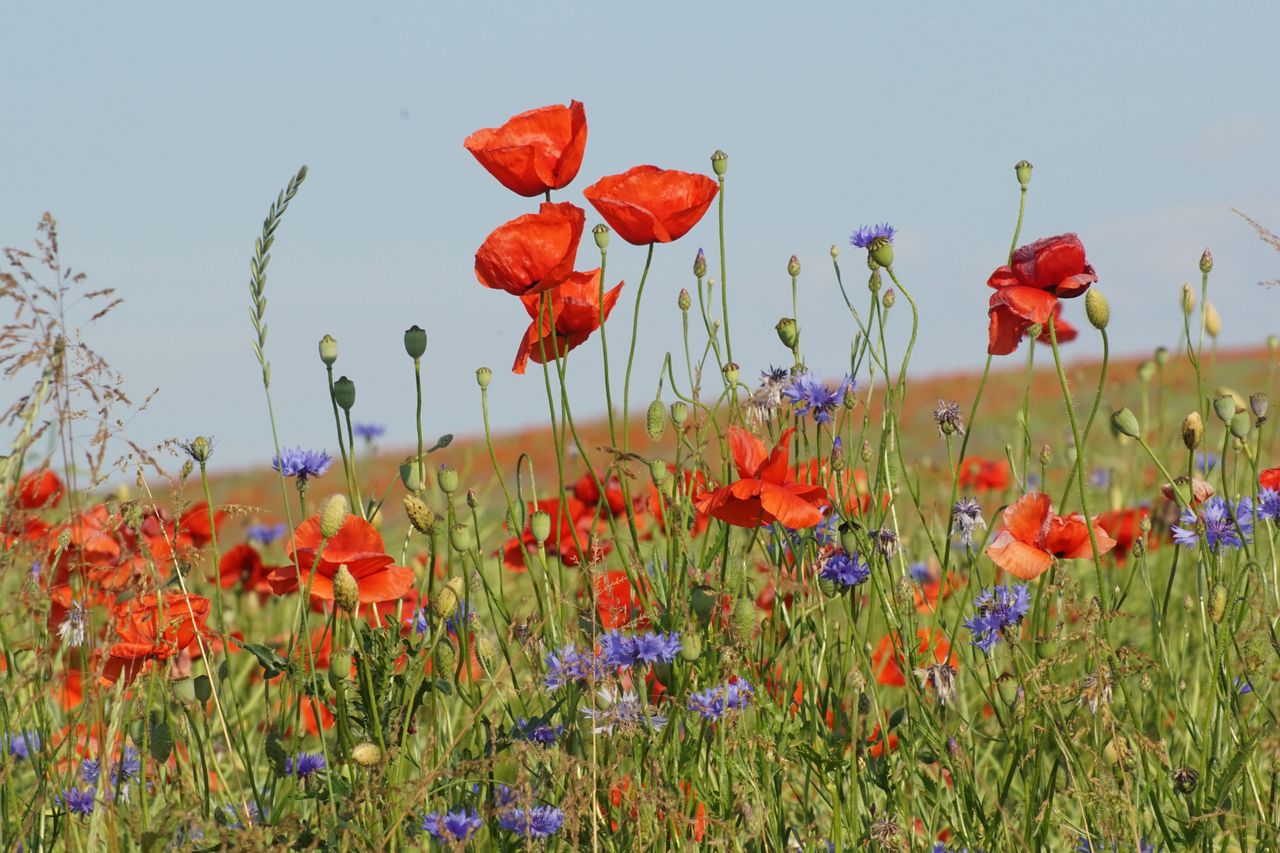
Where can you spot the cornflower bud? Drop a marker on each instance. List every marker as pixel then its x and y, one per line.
pixel 1096 308
pixel 447 479
pixel 866 454
pixel 344 392
pixel 486 654
pixel 1046 454
pixel 1186 780
pixel 793 266
pixel 366 754
pixel 1034 331
pixel 473 500
pixel 700 264
pixel 837 456
pixel 200 449
pixel 684 300
pixel 719 163
pixel 332 514
pixel 328 350
pixel 1212 321
pixel 540 526
pixel 484 376
pixel 1224 406
pixel 1188 299
pixel 1022 169
pixel 346 592
pixel 788 332
pixel 1192 430
pixel 679 413
pixel 415 342
pixel 1206 262
pixel 835 252
pixel 873 281
pixel 601 234
pixel 1126 423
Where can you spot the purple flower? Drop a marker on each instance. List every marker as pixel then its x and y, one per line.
pixel 844 570
pixel 1220 529
pixel 543 734
pixel 1269 504
pixel 22 744
pixel 714 702
pixel 76 801
pixel 863 237
pixel 536 822
pixel 301 464
pixel 369 432
pixel 998 609
pixel 621 712
pixel 452 827
pixel 654 647
pixel 264 534
pixel 572 666
pixel 127 768
pixel 811 396
pixel 235 814
pixel 1242 686
pixel 920 572
pixel 304 765
pixel 966 517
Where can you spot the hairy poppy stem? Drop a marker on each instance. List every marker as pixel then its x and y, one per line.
pixel 724 278
pixel 631 354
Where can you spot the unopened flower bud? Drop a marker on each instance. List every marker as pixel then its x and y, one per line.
pixel 1126 423
pixel 540 526
pixel 445 658
pixel 1023 171
pixel 1240 425
pixel 866 454
pixel 340 664
pixel 1218 603
pixel 743 621
pixel 658 471
pixel 486 653
pixel 601 234
pixel 346 592
pixel 484 376
pixel 444 602
pixel 447 479
pixel 184 690
pixel 881 251
pixel 1186 780
pixel 719 163
pixel 835 252
pixel 200 449
pixel 684 300
pixel 1212 321
pixel 473 500
pixel 1206 262
pixel 460 537
pixel 410 474
pixel 203 688
pixel 679 413
pixel 415 342
pixel 1224 406
pixel 690 646
pixel 873 280
pixel 1188 299
pixel 332 515
pixel 366 754
pixel 827 587
pixel 344 393
pixel 702 602
pixel 788 332
pixel 889 299
pixel 1192 430
pixel 655 420
pixel 1146 371
pixel 1162 356
pixel 793 266
pixel 837 456
pixel 1096 308
pixel 731 372
pixel 328 350
pixel 1046 454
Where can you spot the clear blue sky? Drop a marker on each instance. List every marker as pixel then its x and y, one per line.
pixel 158 133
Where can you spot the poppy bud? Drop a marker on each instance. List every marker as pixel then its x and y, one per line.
pixel 700 264
pixel 793 266
pixel 344 392
pixel 1206 262
pixel 415 342
pixel 200 449
pixel 1146 370
pixel 1240 425
pixel 835 252
pixel 1023 171
pixel 346 592
pixel 1188 299
pixel 366 754
pixel 1126 423
pixel 410 473
pixel 1218 603
pixel 184 690
pixel 731 373
pixel 679 413
pixel 702 601
pixel 827 587
pixel 881 251
pixel 540 526
pixel 788 333
pixel 473 500
pixel 484 376
pixel 328 350
pixel 340 665
pixel 889 298
pixel 1034 331
pixel 203 688
pixel 658 471
pixel 719 163
pixel 1186 780
pixel 332 515
pixel 1224 406
pixel 655 420
pixel 460 537
pixel 873 281
pixel 684 300
pixel 1096 308
pixel 690 647
pixel 1212 322
pixel 447 478
pixel 743 622
pixel 446 658
pixel 1046 454
pixel 1192 430
pixel 601 233
pixel 445 601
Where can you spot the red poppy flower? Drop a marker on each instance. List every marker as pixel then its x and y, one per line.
pixel 1033 537
pixel 765 490
pixel 651 205
pixel 1055 265
pixel 39 489
pixel 536 151
pixel 1125 527
pixel 1011 313
pixel 575 517
pixel 616 600
pixel 930 592
pixel 889 660
pixel 1270 479
pixel 531 253
pixel 984 474
pixel 587 490
pixel 242 565
pixel 878 744
pixel 693 487
pixel 152 630
pixel 575 309
pixel 358 545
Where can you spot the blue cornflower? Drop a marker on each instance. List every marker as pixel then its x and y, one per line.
pixel 127 768
pixel 966 517
pixel 304 764
pixel 1100 478
pixel 22 744
pixel 714 702
pixel 1269 504
pixel 844 569
pixel 301 464
pixel 264 534
pixel 235 814
pixel 998 609
pixel 812 396
pixel 621 712
pixel 572 666
pixel 76 801
pixel 452 827
pixel 1206 462
pixel 543 734
pixel 920 572
pixel 421 621
pixel 1242 686
pixel 536 822
pixel 619 650
pixel 1220 529
pixel 863 237
pixel 369 432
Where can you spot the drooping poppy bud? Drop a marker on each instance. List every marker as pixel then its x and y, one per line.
pixel 1126 423
pixel 1097 309
pixel 1192 430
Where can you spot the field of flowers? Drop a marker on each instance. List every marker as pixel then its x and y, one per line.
pixel 761 610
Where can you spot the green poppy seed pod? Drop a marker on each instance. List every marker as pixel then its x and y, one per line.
pixel 700 264
pixel 873 281
pixel 200 449
pixel 1212 320
pixel 484 376
pixel 447 479
pixel 866 454
pixel 410 474
pixel 658 471
pixel 203 688
pixel 1186 780
pixel 486 652
pixel 460 537
pixel 1096 308
pixel 679 413
pixel 366 754
pixel 184 690
pixel 328 350
pixel 1258 405
pixel 835 252
pixel 889 298
pixel 1188 299
pixel 1192 430
pixel 340 664
pixel 601 233
pixel 540 526
pixel 793 266
pixel 702 602
pixel 1240 425
pixel 1162 356
pixel 731 373
pixel 1218 603
pixel 1206 262
pixel 788 332
pixel 719 163
pixel 690 647
pixel 473 500
pixel 346 592
pixel 344 392
pixel 445 658
pixel 743 621
pixel 1023 171
pixel 1046 454
pixel 655 420
pixel 1126 423
pixel 881 251
pixel 827 587
pixel 415 342
pixel 684 300
pixel 1224 406
pixel 332 514
pixel 444 603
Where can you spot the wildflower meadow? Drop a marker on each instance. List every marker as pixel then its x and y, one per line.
pixel 774 606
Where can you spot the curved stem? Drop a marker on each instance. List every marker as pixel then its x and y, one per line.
pixel 631 354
